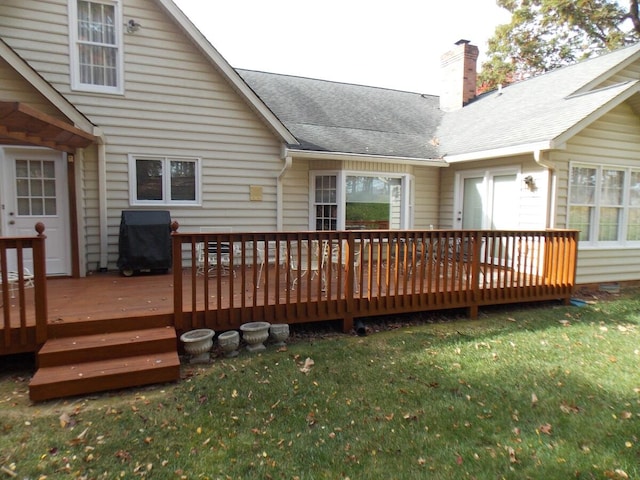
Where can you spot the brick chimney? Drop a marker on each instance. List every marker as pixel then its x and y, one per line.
pixel 459 71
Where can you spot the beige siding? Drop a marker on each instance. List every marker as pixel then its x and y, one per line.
pixel 631 72
pixel 175 103
pixel 13 88
pixel 426 196
pixel 613 140
pixel 296 197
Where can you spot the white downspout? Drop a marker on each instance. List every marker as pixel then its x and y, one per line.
pixel 102 200
pixel 288 161
pixel 541 158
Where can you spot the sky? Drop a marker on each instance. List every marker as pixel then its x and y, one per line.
pixel 393 44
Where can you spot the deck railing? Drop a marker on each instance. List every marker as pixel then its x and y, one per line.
pixel 295 277
pixel 15 280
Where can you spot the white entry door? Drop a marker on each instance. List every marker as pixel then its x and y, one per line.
pixel 35 190
pixel 488 200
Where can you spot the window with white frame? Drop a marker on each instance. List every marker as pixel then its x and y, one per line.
pixel 604 203
pixel 164 180
pixel 95 32
pixel 359 201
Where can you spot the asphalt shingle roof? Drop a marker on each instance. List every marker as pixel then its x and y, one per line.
pixel 338 117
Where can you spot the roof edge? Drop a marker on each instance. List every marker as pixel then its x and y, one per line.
pixel 632 89
pixel 510 151
pixel 16 62
pixel 612 71
pixel 358 157
pixel 227 70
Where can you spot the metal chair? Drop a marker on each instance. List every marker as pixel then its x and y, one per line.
pixel 216 255
pixel 305 258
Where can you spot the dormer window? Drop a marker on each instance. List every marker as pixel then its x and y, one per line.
pixel 96 45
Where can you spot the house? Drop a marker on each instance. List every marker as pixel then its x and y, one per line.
pixel 109 105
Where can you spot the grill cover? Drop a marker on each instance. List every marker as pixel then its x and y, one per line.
pixel 145 241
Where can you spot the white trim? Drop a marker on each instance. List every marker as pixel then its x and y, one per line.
pixel 407 182
pixel 358 157
pixel 632 88
pixel 74 62
pixel 618 67
pixel 166 180
pixel 597 205
pixel 505 151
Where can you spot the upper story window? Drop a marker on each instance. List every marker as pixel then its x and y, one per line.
pixel 96 45
pixel 604 204
pixel 344 201
pixel 164 180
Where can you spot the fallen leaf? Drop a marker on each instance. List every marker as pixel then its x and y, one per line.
pixel 546 428
pixel 534 400
pixel 512 455
pixel 65 420
pixel 308 363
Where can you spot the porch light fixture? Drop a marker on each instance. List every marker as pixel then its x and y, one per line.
pixel 132 26
pixel 530 182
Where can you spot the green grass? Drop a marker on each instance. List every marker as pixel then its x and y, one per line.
pixel 547 392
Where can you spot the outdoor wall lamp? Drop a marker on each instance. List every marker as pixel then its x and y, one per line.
pixel 530 182
pixel 132 26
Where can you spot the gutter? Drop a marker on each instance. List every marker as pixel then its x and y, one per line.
pixel 102 199
pixel 542 158
pixel 523 149
pixel 359 157
pixel 288 162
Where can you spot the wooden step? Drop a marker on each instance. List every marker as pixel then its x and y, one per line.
pixel 104 346
pixel 98 376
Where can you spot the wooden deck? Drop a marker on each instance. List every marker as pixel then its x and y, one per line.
pixel 355 275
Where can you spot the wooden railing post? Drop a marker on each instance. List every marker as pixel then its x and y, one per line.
pixel 176 268
pixel 40 283
pixel 347 321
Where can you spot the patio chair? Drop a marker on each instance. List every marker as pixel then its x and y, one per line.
pixel 460 252
pixel 269 256
pixel 305 258
pixel 208 258
pixel 13 278
pixel 339 253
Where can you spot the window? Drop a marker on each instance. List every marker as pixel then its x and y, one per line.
pixel 359 202
pixel 36 187
pixel 604 203
pixel 95 32
pixel 326 202
pixel 164 180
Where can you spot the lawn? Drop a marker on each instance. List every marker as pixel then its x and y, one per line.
pixel 543 391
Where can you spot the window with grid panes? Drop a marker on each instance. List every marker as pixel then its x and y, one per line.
pixel 326 202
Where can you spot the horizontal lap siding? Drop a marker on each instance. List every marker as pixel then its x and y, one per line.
pixel 612 140
pixel 427 194
pixel 13 88
pixel 176 104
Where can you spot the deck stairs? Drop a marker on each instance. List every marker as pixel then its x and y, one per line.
pixel 96 362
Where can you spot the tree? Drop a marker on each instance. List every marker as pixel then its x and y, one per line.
pixel 547 34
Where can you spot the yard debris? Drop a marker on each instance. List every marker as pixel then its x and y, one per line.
pixel 308 363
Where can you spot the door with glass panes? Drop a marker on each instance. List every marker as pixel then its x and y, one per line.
pixel 34 189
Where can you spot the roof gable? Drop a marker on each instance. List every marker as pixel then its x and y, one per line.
pixel 228 72
pixel 539 113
